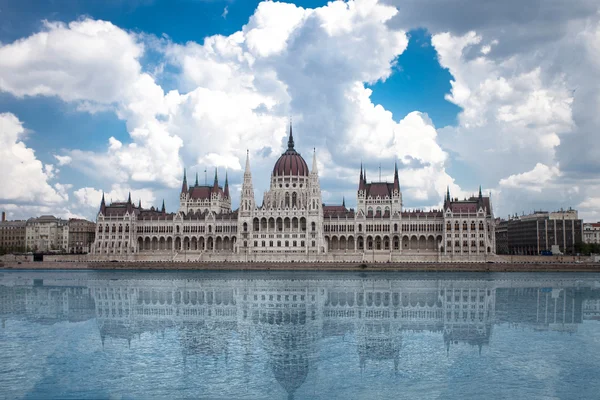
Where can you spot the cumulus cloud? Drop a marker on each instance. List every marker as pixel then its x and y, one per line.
pixel 524 113
pixel 536 179
pixel 91 197
pixel 63 160
pixel 24 178
pixel 523 83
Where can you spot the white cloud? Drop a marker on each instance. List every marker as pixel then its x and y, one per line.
pixel 536 179
pixel 63 160
pixel 236 92
pixel 24 178
pixel 91 197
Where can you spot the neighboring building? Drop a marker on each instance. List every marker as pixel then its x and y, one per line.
pixel 12 236
pixel 47 233
pixel 536 233
pixel 81 235
pixel 501 236
pixel 591 233
pixel 293 224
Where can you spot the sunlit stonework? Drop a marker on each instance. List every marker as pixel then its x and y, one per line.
pixel 293 224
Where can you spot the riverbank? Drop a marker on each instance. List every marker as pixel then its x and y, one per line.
pixel 258 266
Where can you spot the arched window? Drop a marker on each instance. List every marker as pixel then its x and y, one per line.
pixel 294 199
pixel 313 226
pixel 287 199
pixel 245 228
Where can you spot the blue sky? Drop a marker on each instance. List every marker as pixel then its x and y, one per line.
pixel 119 96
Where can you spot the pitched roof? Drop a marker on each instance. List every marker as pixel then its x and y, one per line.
pixel 203 192
pixel 337 211
pixel 381 189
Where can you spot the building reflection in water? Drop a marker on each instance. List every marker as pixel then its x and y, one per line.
pixel 289 317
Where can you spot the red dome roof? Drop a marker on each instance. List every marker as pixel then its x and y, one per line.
pixel 290 162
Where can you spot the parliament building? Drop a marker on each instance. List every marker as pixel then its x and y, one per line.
pixel 293 224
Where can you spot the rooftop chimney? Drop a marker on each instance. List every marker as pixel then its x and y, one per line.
pixel 3 216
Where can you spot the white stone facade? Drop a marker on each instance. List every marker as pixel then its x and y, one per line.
pixel 591 233
pixel 47 233
pixel 293 224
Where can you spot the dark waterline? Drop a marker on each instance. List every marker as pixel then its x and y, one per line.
pixel 257 335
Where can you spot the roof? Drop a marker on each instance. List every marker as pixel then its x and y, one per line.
pixel 470 205
pixel 203 192
pixel 200 215
pixel 381 189
pixel 418 214
pixel 119 209
pixel 154 214
pixel 337 211
pixel 290 163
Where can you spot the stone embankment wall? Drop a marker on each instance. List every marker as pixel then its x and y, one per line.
pixel 329 266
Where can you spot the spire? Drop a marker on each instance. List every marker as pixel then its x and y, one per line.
pixel 247 170
pixel 196 178
pixel 226 185
pixel 291 137
pixel 140 204
pixel 163 210
pixel 343 201
pixel 480 198
pixel 315 170
pixel 129 204
pixel 184 186
pixel 216 184
pixel 448 193
pixel 102 204
pixel 361 179
pixel 396 180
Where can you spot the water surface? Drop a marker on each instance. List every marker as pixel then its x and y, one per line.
pixel 260 335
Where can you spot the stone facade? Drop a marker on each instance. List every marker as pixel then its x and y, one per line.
pixel 81 235
pixel 293 224
pixel 591 233
pixel 536 233
pixel 47 233
pixel 12 236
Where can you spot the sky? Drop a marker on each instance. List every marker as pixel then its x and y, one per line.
pixel 120 96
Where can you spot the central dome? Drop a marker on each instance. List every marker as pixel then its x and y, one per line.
pixel 291 162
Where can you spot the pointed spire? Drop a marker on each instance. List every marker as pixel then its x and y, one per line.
pixel 247 169
pixel 184 186
pixel 361 179
pixel 315 170
pixel 226 185
pixel 448 194
pixel 163 210
pixel 291 137
pixel 343 201
pixel 396 180
pixel 102 204
pixel 196 178
pixel 216 183
pixel 140 204
pixel 129 198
